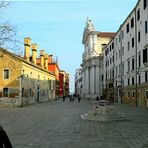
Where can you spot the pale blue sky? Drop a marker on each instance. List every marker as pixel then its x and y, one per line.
pixel 57 26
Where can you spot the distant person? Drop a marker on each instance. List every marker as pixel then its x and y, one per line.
pixel 4 140
pixel 70 98
pixel 63 98
pixel 73 97
pixel 79 98
pixel 97 98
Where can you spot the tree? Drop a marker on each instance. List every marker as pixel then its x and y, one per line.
pixel 7 32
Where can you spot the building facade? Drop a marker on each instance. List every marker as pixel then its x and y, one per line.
pixel 125 59
pixel 78 82
pixel 67 91
pixel 63 83
pixel 54 68
pixel 22 81
pixel 92 66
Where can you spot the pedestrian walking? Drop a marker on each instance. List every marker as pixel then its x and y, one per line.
pixel 63 98
pixel 4 140
pixel 97 98
pixel 79 98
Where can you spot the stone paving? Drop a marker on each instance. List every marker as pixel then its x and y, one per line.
pixel 58 125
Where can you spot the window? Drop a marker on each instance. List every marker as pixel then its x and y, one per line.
pixel 132 22
pixel 119 53
pixel 146 26
pixel 145 55
pixel 6 74
pixel 146 94
pixel 146 78
pixel 122 51
pixel 138 15
pixel 112 45
pixel 133 94
pixel 106 63
pixel 144 3
pixel 102 78
pixel 127 28
pixel 139 60
pixel 30 92
pixel 133 63
pixel 5 92
pixel 128 94
pixel 128 46
pixel 133 81
pixel 23 92
pixel 122 34
pixel 116 41
pixel 113 73
pixel 128 81
pixel 116 55
pixel 119 37
pixel 139 79
pixel 113 59
pixel 139 36
pixel 122 70
pixel 133 42
pixel 128 65
pixel 116 70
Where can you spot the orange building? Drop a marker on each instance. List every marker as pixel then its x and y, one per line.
pixel 52 67
pixel 63 83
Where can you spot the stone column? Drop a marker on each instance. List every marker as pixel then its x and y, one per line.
pixel 87 81
pixel 83 83
pixel 92 74
pixel 97 79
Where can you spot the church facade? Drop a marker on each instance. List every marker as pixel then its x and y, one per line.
pixel 92 60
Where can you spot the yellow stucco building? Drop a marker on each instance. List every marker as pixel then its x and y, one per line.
pixel 23 82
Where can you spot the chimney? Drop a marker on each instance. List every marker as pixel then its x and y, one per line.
pixel 50 58
pixel 27 42
pixel 42 58
pixel 34 52
pixel 46 61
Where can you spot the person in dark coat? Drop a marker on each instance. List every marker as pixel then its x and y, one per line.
pixel 63 98
pixel 79 99
pixel 97 98
pixel 4 140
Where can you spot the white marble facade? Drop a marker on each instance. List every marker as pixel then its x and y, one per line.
pixel 92 65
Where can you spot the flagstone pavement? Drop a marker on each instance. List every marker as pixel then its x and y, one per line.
pixel 58 124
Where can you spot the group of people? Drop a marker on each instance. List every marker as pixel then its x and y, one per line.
pixel 72 98
pixel 101 98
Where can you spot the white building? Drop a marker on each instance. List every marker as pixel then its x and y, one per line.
pixel 92 66
pixel 78 82
pixel 126 59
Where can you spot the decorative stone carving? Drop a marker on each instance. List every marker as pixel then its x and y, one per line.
pixel 89 25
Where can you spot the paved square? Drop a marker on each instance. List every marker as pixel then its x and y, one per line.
pixel 58 125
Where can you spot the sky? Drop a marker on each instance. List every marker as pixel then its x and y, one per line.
pixel 57 26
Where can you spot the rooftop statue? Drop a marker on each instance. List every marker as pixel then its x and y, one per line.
pixel 89 25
